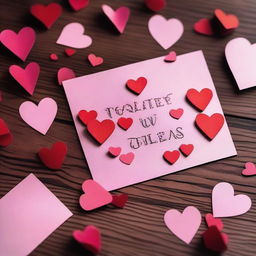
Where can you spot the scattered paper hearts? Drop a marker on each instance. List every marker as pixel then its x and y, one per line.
pixel 39 117
pixel 225 204
pixel 5 135
pixel 127 158
pixel 70 52
pixel 114 151
pixel 53 56
pixel 19 44
pixel 101 131
pixel 95 196
pixel 204 27
pixel 119 200
pixel 27 77
pixel 94 60
pixel 119 17
pixel 89 238
pixel 228 21
pixel 210 125
pixel 201 99
pixel 73 36
pixel 183 225
pixel 171 156
pixel 78 4
pixel 211 221
pixel 250 169
pixel 137 86
pixel 171 57
pixel 155 5
pixel 86 116
pixel 125 123
pixel 54 157
pixel 176 113
pixel 165 32
pixel 65 74
pixel 186 149
pixel 47 14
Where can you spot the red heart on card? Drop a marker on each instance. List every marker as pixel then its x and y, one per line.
pixel 250 169
pixel 95 196
pixel 78 4
pixel 127 158
pixel 101 131
pixel 86 116
pixel 210 125
pixel 54 157
pixel 199 99
pixel 5 135
pixel 176 113
pixel 229 21
pixel 119 200
pixel 89 238
pixel 69 52
pixel 186 149
pixel 138 85
pixel 211 221
pixel 171 57
pixel 155 5
pixel 171 156
pixel 94 60
pixel 204 27
pixel 47 14
pixel 125 123
pixel 114 151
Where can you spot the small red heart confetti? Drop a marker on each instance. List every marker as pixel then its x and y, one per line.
pixel 54 157
pixel 5 135
pixel 119 200
pixel 101 131
pixel 210 125
pixel 204 27
pixel 114 151
pixel 86 116
pixel 186 149
pixel 47 14
pixel 89 238
pixel 127 158
pixel 250 169
pixel 176 113
pixel 125 123
pixel 94 60
pixel 171 57
pixel 199 99
pixel 54 56
pixel 228 21
pixel 155 5
pixel 211 221
pixel 171 156
pixel 78 4
pixel 65 74
pixel 69 52
pixel 137 86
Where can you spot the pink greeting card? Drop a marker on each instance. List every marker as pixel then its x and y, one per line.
pixel 153 130
pixel 29 213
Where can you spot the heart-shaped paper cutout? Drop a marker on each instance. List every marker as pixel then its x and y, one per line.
pixel 186 149
pixel 184 225
pixel 250 169
pixel 114 151
pixel 155 5
pixel 204 27
pixel 119 200
pixel 54 56
pixel 171 156
pixel 176 113
pixel 94 60
pixel 165 32
pixel 27 77
pixel 78 4
pixel 86 116
pixel 65 74
pixel 211 221
pixel 95 196
pixel 5 135
pixel 19 44
pixel 73 36
pixel 69 51
pixel 39 117
pixel 127 158
pixel 225 204
pixel 137 86
pixel 125 123
pixel 228 21
pixel 171 57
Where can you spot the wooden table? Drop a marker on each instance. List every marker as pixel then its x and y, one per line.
pixel 138 229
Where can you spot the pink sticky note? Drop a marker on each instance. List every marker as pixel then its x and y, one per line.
pixel 153 130
pixel 29 213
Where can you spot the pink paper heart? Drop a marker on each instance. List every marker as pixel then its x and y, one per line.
pixel 73 36
pixel 225 204
pixel 94 60
pixel 114 151
pixel 250 169
pixel 65 74
pixel 95 196
pixel 183 225
pixel 165 32
pixel 171 57
pixel 20 44
pixel 27 77
pixel 127 158
pixel 39 117
pixel 118 17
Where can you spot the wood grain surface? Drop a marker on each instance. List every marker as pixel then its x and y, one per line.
pixel 138 229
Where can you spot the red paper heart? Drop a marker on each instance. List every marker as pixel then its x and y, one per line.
pixel 101 131
pixel 250 169
pixel 199 99
pixel 210 125
pixel 69 51
pixel 114 151
pixel 5 135
pixel 228 21
pixel 211 221
pixel 86 116
pixel 176 113
pixel 94 60
pixel 78 4
pixel 47 14
pixel 119 200
pixel 155 5
pixel 54 157
pixel 54 56
pixel 65 74
pixel 3 128
pixel 171 57
pixel 171 156
pixel 125 123
pixel 127 158
pixel 89 238
pixel 204 27
pixel 137 86
pixel 186 149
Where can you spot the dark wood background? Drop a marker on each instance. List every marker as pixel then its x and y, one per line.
pixel 138 229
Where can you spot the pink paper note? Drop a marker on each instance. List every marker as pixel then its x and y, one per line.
pixel 106 93
pixel 29 213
